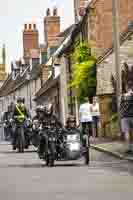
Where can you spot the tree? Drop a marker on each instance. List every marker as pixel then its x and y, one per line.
pixel 83 71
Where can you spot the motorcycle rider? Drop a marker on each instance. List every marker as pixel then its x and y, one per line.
pixel 37 121
pixel 49 119
pixel 71 123
pixel 6 120
pixel 19 112
pixel 39 113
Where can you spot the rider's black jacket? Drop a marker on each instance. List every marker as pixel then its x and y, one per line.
pixel 70 129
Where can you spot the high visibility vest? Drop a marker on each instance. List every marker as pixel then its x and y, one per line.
pixel 21 115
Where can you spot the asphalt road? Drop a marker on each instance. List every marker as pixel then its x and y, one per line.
pixel 24 177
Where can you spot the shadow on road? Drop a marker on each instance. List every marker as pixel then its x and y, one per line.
pixel 16 152
pixel 38 165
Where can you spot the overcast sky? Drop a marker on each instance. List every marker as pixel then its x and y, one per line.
pixel 14 13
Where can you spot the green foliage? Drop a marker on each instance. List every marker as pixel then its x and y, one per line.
pixel 83 71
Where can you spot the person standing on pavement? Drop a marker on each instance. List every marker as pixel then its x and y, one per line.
pixel 96 116
pixel 85 114
pixel 126 113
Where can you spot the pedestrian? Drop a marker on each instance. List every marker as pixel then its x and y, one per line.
pixel 126 114
pixel 85 114
pixel 96 116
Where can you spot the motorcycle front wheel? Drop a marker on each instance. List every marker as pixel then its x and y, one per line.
pixel 50 158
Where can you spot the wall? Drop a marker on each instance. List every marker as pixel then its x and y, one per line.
pixel 100 19
pixel 107 68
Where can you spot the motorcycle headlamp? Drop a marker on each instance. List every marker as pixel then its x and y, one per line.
pixel 74 137
pixel 74 147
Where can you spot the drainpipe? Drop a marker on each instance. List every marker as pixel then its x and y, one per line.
pixel 70 78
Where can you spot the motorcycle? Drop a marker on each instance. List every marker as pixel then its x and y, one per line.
pixel 22 137
pixel 73 148
pixel 7 130
pixel 49 145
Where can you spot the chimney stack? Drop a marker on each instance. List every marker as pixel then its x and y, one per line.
pixel 30 39
pixel 51 26
pixel 79 8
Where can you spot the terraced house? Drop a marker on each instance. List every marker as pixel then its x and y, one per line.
pixel 30 73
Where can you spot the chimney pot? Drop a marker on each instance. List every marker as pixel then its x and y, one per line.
pixel 25 26
pixel 34 26
pixel 55 11
pixel 48 12
pixel 30 26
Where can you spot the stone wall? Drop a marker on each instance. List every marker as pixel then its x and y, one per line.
pixel 107 67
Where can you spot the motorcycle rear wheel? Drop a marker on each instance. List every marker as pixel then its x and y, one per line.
pixel 21 140
pixel 87 157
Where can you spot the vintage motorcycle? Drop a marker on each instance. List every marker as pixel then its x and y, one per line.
pixel 22 137
pixel 49 134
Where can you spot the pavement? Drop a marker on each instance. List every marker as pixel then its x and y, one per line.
pixel 115 148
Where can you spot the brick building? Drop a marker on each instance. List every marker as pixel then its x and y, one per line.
pixel 99 19
pixel 30 41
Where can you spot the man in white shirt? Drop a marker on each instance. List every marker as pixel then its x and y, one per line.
pixel 85 113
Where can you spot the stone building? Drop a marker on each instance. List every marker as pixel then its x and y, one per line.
pixel 105 71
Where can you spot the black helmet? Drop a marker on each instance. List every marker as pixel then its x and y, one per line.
pixel 49 109
pixel 20 100
pixel 40 108
pixel 71 118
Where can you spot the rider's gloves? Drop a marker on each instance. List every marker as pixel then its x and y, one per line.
pixel 11 120
pixel 4 124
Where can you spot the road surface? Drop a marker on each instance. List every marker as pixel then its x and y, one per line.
pixel 24 177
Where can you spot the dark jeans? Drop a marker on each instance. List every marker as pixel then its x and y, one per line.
pixel 95 124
